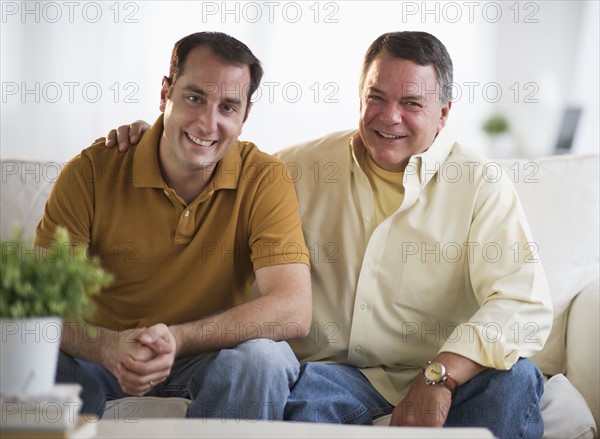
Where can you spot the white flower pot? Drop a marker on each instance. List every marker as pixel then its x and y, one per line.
pixel 28 355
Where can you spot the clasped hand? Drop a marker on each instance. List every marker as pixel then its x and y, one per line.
pixel 140 358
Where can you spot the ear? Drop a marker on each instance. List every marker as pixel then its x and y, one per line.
pixel 164 93
pixel 444 112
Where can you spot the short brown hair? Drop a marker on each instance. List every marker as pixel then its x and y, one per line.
pixel 419 47
pixel 222 45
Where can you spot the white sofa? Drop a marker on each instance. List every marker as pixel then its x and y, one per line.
pixel 561 198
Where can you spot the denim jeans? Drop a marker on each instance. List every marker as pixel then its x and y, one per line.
pixel 250 381
pixel 505 402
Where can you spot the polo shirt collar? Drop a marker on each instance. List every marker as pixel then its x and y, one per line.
pixel 145 159
pixel 228 170
pixel 146 167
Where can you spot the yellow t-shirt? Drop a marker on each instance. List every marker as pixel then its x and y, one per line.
pixel 388 191
pixel 173 262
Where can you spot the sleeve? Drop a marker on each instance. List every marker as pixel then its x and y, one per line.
pixel 515 310
pixel 275 228
pixel 70 204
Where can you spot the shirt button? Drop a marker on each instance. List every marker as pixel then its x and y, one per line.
pixel 357 349
pixel 371 264
pixel 187 213
pixel 368 219
pixel 363 306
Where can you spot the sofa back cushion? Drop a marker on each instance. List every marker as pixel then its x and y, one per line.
pixel 24 188
pixel 560 197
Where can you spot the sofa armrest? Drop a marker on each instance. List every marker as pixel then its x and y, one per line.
pixel 583 349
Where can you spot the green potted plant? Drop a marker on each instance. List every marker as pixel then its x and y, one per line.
pixel 39 288
pixel 495 125
pixel 498 130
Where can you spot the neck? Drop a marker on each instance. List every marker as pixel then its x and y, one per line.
pixel 189 188
pixel 187 182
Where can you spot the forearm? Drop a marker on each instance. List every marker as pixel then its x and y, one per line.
pixel 269 317
pixel 85 341
pixel 460 369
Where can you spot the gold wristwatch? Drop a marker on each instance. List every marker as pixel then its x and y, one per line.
pixel 435 374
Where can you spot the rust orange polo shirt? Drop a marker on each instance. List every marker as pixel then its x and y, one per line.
pixel 175 262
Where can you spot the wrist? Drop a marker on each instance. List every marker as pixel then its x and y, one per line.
pixel 177 333
pixel 435 373
pixel 103 347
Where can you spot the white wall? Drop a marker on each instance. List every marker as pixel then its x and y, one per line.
pixel 70 71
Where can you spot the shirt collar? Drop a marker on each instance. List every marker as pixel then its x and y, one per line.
pixel 426 164
pixel 357 154
pixel 228 170
pixel 423 165
pixel 145 159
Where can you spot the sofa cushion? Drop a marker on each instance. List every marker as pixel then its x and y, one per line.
pixel 25 188
pixel 565 412
pixel 560 197
pixel 133 408
pixel 583 349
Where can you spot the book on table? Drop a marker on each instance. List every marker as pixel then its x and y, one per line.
pixel 55 415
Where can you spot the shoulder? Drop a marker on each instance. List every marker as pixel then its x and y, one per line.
pixel 478 178
pixel 475 168
pixel 94 165
pixel 332 146
pixel 256 164
pixel 99 159
pixel 251 154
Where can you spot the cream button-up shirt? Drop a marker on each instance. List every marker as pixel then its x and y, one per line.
pixel 454 269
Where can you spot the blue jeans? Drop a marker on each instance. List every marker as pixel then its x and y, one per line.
pixel 505 402
pixel 250 381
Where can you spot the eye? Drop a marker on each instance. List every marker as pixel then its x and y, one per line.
pixel 228 108
pixel 412 105
pixel 374 98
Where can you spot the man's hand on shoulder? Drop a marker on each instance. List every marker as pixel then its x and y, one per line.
pixel 126 135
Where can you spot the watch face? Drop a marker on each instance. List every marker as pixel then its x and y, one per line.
pixel 434 372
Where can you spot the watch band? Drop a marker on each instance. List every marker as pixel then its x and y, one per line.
pixel 449 383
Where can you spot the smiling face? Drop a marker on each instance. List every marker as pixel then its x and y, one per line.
pixel 400 111
pixel 204 112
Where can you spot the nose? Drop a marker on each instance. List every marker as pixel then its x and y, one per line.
pixel 207 119
pixel 391 114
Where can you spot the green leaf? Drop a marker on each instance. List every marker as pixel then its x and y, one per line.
pixel 57 281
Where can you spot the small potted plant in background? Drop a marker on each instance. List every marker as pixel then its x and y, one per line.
pixel 498 130
pixel 40 288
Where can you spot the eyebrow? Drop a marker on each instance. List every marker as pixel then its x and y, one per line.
pixel 411 97
pixel 204 93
